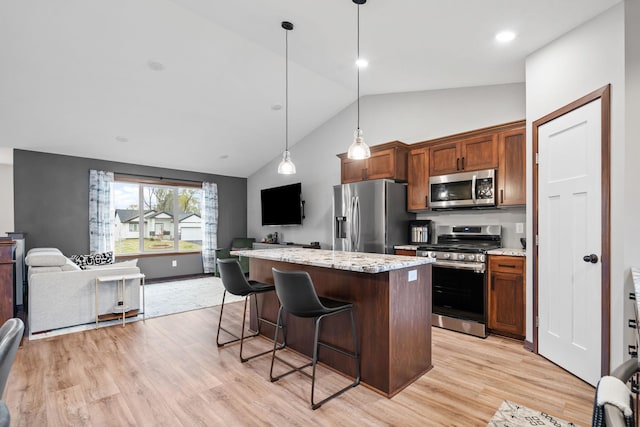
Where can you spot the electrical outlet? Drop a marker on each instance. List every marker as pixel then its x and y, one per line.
pixel 413 275
pixel 519 227
pixel 174 263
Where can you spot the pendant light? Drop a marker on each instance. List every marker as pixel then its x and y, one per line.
pixel 286 166
pixel 358 149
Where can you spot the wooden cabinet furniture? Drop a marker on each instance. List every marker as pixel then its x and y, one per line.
pixel 511 185
pixel 405 252
pixel 6 280
pixel 418 179
pixel 387 161
pixel 480 152
pixel 506 296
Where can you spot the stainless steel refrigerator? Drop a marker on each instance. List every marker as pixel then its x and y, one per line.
pixel 370 216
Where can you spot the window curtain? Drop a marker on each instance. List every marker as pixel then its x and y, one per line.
pixel 101 237
pixel 210 226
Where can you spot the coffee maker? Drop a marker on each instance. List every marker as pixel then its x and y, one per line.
pixel 420 232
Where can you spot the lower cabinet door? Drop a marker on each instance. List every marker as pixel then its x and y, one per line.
pixel 507 303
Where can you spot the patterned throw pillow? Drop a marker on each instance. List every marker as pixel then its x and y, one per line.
pixel 93 259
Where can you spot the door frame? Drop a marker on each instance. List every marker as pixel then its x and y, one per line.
pixel 604 94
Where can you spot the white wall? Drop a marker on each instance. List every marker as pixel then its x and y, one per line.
pixel 572 66
pixel 6 195
pixel 408 117
pixel 631 196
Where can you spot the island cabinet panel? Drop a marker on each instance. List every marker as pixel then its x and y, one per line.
pixel 507 295
pixel 512 168
pixel 393 320
pixel 418 179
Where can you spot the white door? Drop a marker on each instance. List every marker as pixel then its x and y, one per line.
pixel 570 228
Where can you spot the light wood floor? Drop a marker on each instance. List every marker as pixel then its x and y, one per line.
pixel 169 372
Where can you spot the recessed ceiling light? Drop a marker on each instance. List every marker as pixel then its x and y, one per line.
pixel 121 139
pixel 276 107
pixel 361 63
pixel 155 65
pixel 505 36
pixel 224 156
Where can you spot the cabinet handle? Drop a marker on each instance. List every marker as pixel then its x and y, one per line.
pixel 458 164
pixel 426 200
pixel 501 196
pixel 507 265
pixel 463 163
pixel 364 173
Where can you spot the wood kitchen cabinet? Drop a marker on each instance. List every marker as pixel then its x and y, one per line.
pixel 387 161
pixel 6 280
pixel 506 295
pixel 405 252
pixel 480 152
pixel 418 179
pixel 511 182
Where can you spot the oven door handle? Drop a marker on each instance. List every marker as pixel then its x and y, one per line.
pixel 473 266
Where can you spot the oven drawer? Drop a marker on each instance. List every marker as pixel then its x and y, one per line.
pixel 506 264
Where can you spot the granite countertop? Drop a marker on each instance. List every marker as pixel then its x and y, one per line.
pixel 508 251
pixel 352 261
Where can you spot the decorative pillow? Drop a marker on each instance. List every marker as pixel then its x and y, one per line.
pixel 93 259
pixel 122 264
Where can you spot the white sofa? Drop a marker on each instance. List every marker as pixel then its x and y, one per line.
pixel 61 294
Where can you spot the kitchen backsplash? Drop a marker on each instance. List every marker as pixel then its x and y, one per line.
pixel 508 218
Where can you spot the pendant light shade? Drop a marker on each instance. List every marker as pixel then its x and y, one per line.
pixel 286 166
pixel 358 149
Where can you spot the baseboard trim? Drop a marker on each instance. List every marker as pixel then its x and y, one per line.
pixel 528 345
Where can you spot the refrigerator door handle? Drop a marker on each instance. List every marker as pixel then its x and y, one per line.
pixel 355 224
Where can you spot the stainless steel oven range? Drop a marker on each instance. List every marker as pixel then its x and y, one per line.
pixel 460 275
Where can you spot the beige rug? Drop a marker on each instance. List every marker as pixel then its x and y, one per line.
pixel 512 414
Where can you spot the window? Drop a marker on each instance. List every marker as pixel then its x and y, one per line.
pixel 156 218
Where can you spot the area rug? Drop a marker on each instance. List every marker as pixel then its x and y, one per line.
pixel 184 295
pixel 512 414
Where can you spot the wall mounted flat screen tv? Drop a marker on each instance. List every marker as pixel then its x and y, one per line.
pixel 282 205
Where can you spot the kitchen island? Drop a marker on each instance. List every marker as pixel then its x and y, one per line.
pixel 392 306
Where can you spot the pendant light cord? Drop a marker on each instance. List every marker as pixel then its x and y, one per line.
pixel 358 66
pixel 286 90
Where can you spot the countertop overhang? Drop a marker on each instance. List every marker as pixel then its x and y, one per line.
pixel 352 261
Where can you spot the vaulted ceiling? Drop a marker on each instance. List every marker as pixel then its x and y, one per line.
pixel 196 84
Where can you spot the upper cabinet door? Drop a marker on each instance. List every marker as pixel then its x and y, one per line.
pixel 418 179
pixel 512 169
pixel 382 164
pixel 387 161
pixel 353 170
pixel 444 159
pixel 479 153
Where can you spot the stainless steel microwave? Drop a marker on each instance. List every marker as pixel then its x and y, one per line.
pixel 463 190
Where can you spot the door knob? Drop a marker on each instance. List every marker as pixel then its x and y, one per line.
pixel 593 258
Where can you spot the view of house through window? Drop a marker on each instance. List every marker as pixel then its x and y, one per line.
pixel 151 218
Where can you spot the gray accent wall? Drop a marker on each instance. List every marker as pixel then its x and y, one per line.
pixel 51 204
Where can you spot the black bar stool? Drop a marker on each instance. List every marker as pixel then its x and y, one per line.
pixel 298 297
pixel 236 283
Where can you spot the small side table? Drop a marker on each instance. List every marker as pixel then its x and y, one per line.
pixel 121 280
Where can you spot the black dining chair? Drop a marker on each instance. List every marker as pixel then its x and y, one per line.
pixel 10 336
pixel 236 283
pixel 298 297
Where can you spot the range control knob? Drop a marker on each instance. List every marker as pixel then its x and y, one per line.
pixel 480 258
pixel 471 257
pixel 446 256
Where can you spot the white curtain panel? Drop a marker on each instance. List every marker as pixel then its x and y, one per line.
pixel 210 226
pixel 101 204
